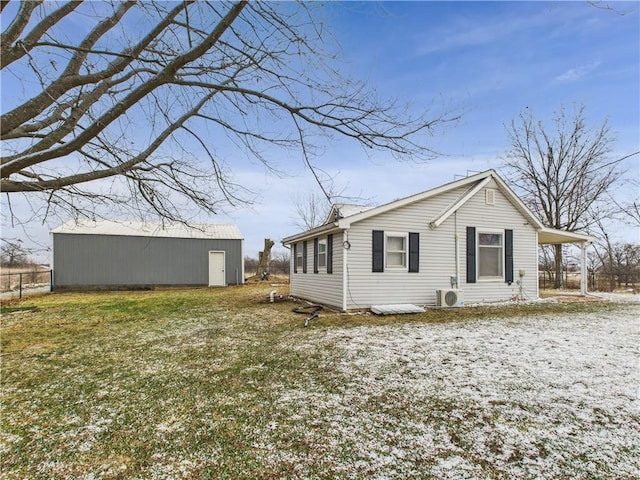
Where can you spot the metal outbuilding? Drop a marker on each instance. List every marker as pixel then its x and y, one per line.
pixel 94 255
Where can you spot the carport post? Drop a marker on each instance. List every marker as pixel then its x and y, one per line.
pixel 583 268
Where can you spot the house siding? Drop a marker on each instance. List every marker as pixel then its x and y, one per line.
pixel 107 261
pixel 501 216
pixel 438 250
pixel 321 287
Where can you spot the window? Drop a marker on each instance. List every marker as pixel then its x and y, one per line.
pixel 396 253
pixel 322 253
pixel 298 258
pixel 393 250
pixel 490 256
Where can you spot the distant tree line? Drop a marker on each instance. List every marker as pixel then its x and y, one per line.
pixel 615 265
pixel 610 266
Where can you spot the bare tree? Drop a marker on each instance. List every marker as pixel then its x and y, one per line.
pixel 614 7
pixel 561 171
pixel 280 262
pixel 250 264
pixel 311 210
pixel 129 105
pixel 14 254
pixel 629 209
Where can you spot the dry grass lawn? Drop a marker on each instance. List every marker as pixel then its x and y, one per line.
pixel 219 383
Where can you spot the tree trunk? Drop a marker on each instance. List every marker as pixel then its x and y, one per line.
pixel 265 258
pixel 558 260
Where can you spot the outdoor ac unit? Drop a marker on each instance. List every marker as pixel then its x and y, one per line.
pixel 449 298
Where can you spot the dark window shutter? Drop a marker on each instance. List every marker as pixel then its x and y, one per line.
pixel 378 251
pixel 414 252
pixel 304 257
pixel 295 258
pixel 471 254
pixel 315 255
pixel 329 253
pixel 508 256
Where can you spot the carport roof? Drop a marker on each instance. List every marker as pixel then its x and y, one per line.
pixel 548 236
pixel 150 229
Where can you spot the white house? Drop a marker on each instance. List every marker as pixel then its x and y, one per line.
pixel 472 238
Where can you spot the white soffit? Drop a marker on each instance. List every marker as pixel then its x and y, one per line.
pixel 547 236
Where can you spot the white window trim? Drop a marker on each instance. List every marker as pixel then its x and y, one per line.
pixel 490 232
pixel 322 241
pixel 398 268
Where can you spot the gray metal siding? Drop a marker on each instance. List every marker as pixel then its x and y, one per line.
pixel 114 260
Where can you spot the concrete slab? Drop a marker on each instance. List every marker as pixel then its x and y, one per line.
pixel 396 309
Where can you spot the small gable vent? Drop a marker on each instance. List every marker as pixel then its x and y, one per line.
pixel 490 196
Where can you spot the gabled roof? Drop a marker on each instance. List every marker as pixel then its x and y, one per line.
pixel 150 229
pixel 474 183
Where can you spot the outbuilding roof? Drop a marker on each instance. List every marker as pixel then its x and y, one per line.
pixel 150 229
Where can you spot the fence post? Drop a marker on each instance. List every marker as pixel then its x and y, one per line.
pixel 20 277
pixel 51 280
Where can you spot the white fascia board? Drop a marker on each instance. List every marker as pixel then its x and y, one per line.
pixel 149 229
pixel 314 232
pixel 347 221
pixel 515 200
pixel 551 236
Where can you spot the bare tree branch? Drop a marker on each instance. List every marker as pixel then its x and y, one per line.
pixel 132 109
pixel 11 53
pixel 17 26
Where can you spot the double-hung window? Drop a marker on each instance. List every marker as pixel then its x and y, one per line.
pixel 299 257
pixel 396 250
pixel 322 253
pixel 490 256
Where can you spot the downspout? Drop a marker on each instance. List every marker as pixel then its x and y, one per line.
pixel 583 268
pixel 51 264
pixel 241 262
pixel 345 263
pixel 537 247
pixel 457 242
pixel 290 264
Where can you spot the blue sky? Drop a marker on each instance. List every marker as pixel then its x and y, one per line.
pixel 486 60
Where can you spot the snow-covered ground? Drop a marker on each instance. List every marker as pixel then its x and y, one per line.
pixel 529 397
pixel 618 297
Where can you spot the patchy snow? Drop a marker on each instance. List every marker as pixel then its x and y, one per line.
pixel 627 297
pixel 529 397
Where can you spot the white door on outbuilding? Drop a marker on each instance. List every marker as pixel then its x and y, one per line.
pixel 216 269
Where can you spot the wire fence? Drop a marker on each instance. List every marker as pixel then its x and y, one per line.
pixel 596 281
pixel 21 281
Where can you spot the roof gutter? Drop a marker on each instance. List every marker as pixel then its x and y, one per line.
pixel 314 232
